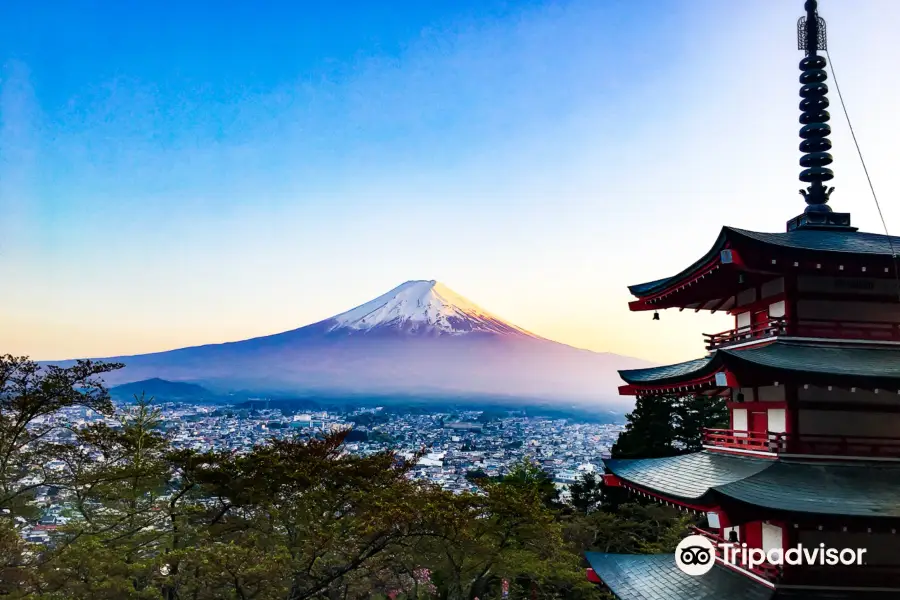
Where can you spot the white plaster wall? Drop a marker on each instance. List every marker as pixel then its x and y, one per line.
pixel 739 419
pixel 776 309
pixel 771 537
pixel 777 420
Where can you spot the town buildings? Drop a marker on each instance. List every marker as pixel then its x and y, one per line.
pixel 562 447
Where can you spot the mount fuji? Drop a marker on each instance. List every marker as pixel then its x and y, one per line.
pixel 420 338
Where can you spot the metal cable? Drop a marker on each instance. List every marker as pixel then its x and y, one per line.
pixel 837 88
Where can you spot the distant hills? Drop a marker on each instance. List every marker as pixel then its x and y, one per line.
pixel 419 339
pixel 161 390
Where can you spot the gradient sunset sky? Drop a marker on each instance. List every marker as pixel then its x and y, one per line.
pixel 178 173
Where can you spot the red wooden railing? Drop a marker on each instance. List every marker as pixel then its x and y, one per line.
pixel 767 571
pixel 745 440
pixel 773 326
pixel 821 328
pixel 805 443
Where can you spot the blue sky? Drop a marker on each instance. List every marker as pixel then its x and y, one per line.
pixel 175 175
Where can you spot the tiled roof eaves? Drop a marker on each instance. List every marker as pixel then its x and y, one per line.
pixel 656 577
pixel 678 371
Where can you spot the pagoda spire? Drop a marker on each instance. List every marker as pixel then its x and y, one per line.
pixel 813 116
pixel 815 129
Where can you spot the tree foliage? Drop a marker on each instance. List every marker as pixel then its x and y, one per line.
pixel 693 414
pixel 587 493
pixel 289 520
pixel 663 425
pixel 649 430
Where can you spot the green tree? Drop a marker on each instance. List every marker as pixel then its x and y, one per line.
pixel 509 532
pixel 304 517
pixel 528 475
pixel 636 529
pixel 587 493
pixel 693 414
pixel 117 487
pixel 476 475
pixel 649 430
pixel 29 396
pixel 663 425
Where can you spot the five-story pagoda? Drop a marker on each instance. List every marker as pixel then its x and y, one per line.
pixel 811 376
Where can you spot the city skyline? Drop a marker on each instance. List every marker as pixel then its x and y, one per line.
pixel 205 175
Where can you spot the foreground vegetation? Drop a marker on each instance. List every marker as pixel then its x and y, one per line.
pixel 288 521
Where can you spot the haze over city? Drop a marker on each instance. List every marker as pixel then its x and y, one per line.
pixel 202 174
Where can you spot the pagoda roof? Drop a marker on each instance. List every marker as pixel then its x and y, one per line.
pixel 833 361
pixel 849 242
pixel 688 476
pixel 646 289
pixel 858 489
pixel 753 244
pixel 690 369
pixel 830 359
pixel 656 577
pixel 841 489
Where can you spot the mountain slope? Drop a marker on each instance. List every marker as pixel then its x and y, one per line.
pixel 419 338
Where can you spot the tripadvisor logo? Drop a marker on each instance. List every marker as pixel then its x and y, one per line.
pixel 696 555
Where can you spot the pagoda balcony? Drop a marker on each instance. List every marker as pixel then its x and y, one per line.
pixel 810 328
pixel 802 444
pixel 769 572
pixel 754 441
pixel 747 333
pixel 829 576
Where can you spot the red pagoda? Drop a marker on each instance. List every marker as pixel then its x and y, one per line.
pixel 811 377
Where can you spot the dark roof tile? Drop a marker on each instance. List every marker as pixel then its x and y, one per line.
pixel 831 359
pixel 851 242
pixel 847 242
pixel 666 372
pixel 824 358
pixel 687 477
pixel 858 489
pixel 655 577
pixel 845 489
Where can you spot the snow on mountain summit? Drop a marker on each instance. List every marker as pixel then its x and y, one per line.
pixel 423 308
pixel 420 339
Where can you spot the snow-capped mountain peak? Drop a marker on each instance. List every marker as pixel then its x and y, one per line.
pixel 425 308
